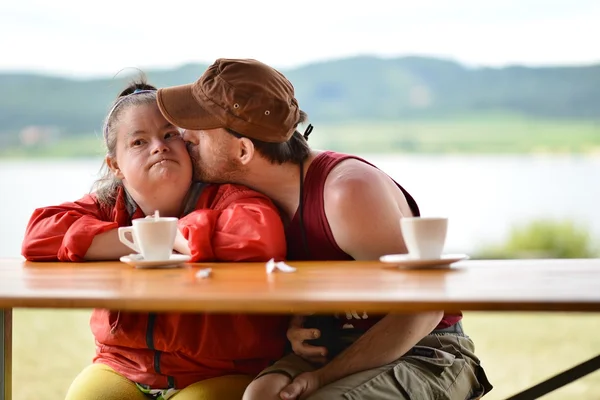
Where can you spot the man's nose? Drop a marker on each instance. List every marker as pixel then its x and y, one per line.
pixel 190 136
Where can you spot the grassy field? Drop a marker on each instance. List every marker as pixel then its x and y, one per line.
pixel 483 135
pixel 518 350
pixel 489 134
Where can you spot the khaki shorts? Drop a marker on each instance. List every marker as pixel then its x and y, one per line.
pixel 440 366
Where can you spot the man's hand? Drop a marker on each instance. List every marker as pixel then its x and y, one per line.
pixel 303 386
pixel 296 334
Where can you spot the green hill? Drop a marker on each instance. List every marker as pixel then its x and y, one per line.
pixel 334 93
pixel 362 88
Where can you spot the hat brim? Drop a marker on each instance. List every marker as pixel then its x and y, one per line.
pixel 178 105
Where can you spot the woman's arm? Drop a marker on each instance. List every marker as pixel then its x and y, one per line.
pixel 234 224
pixel 74 231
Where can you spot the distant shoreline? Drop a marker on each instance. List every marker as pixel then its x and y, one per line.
pixel 467 135
pixel 60 155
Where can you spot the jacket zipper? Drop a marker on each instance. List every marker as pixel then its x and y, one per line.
pixel 190 204
pixel 157 353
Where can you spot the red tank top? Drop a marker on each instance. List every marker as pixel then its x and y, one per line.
pixel 319 238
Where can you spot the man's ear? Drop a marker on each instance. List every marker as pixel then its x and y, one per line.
pixel 114 167
pixel 246 150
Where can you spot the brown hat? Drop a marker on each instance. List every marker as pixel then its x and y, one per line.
pixel 244 95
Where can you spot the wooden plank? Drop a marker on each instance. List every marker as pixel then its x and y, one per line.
pixel 500 285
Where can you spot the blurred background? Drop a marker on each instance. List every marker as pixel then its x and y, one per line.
pixel 487 112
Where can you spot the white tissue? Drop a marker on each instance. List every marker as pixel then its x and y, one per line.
pixel 283 267
pixel 204 273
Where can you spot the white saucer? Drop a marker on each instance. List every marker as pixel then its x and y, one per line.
pixel 405 261
pixel 138 261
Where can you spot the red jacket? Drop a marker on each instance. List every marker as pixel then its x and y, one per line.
pixel 229 223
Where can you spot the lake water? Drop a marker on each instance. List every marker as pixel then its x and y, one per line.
pixel 482 195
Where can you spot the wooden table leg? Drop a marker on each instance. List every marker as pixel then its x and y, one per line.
pixel 5 354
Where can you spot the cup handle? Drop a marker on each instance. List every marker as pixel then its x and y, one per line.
pixel 129 243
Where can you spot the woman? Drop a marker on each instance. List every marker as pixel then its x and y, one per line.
pixel 167 355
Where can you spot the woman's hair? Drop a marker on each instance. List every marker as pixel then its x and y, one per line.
pixel 139 92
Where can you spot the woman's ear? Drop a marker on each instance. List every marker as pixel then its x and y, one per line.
pixel 246 150
pixel 114 167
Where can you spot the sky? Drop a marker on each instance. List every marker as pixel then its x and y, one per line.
pixel 87 39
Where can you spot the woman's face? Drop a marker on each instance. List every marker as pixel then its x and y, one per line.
pixel 151 156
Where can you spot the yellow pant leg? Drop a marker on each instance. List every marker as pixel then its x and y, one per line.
pixel 229 387
pixel 100 382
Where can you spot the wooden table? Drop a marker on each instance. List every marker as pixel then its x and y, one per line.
pixel 507 285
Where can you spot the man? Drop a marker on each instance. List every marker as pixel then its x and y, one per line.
pixel 241 120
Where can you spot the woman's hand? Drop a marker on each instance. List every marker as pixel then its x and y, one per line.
pixel 181 244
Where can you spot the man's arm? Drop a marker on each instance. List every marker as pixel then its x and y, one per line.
pixel 385 342
pixel 364 207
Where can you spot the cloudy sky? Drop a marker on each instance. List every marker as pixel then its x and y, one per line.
pixel 81 38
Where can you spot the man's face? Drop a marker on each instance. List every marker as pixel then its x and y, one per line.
pixel 213 153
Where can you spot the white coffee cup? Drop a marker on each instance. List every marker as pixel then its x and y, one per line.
pixel 153 238
pixel 424 236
